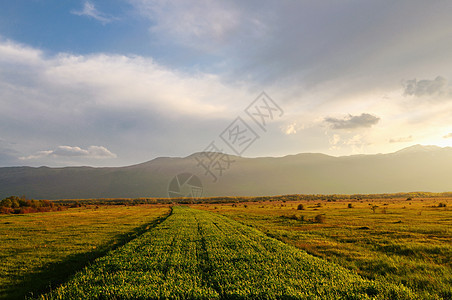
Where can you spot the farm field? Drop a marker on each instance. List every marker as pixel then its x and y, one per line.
pixel 402 241
pixel 195 254
pixel 355 249
pixel 38 251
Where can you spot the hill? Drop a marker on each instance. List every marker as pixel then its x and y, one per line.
pixel 417 168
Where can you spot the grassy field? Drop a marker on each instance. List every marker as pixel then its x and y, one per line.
pixel 355 249
pixel 400 241
pixel 195 254
pixel 41 250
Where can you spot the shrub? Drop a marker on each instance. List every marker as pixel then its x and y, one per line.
pixel 6 210
pixel 350 205
pixel 22 205
pixel 442 204
pixel 294 217
pixel 300 207
pixel 320 219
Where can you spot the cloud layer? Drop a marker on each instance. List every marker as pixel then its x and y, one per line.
pixel 438 86
pixel 352 122
pixel 402 139
pixel 166 77
pixel 112 99
pixel 89 10
pixel 70 151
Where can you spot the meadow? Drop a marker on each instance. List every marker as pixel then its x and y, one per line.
pixel 196 254
pixel 405 241
pixel 265 248
pixel 39 251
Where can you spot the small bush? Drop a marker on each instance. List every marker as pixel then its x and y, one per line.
pixel 320 219
pixel 300 207
pixel 294 217
pixel 442 204
pixel 350 205
pixel 6 210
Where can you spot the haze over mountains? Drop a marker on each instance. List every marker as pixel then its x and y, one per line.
pixel 417 168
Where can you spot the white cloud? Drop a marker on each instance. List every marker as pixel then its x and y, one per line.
pixel 89 10
pixel 315 58
pixel 335 140
pixel 16 54
pixel 292 128
pixel 357 143
pixel 353 143
pixel 76 82
pixel 98 152
pixel 126 102
pixel 201 24
pixel 448 136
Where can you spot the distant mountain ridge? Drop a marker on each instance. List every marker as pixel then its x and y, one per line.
pixel 419 148
pixel 416 168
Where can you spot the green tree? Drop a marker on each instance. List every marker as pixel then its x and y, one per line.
pixel 15 203
pixel 6 203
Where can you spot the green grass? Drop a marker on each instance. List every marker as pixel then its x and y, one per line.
pixel 117 252
pixel 410 243
pixel 196 254
pixel 41 250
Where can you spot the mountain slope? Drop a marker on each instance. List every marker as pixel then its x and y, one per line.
pixel 418 168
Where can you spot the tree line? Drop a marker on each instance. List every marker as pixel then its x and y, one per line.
pixel 22 205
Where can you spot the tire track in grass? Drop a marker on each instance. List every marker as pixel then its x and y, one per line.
pixel 51 274
pixel 201 255
pixel 206 266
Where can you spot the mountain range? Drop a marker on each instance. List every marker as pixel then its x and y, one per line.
pixel 417 168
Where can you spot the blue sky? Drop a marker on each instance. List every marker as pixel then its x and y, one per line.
pixel 60 26
pixel 110 83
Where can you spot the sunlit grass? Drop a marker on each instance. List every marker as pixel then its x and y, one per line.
pixel 40 250
pixel 194 254
pixel 405 242
pixel 408 242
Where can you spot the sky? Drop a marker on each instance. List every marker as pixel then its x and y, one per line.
pixel 120 82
